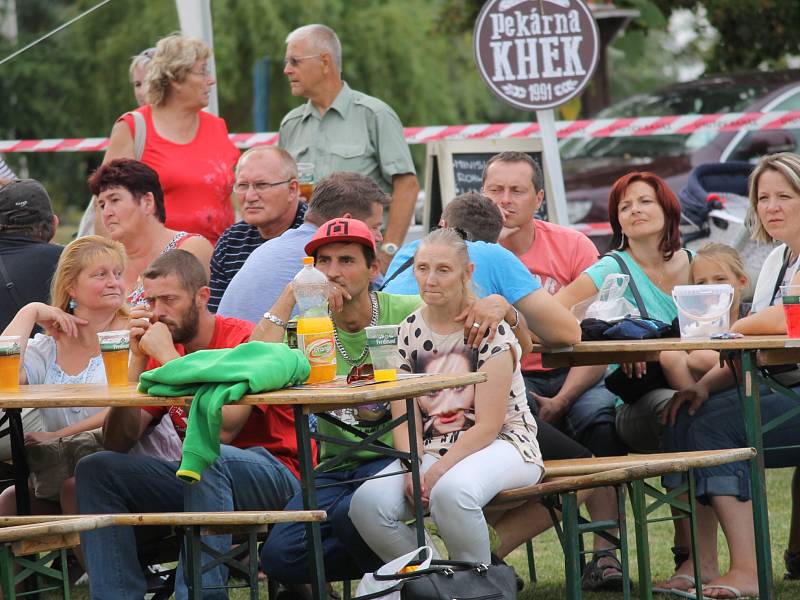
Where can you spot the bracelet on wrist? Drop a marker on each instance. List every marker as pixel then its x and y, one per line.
pixel 516 314
pixel 275 320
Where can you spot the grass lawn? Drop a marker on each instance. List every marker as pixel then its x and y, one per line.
pixel 550 561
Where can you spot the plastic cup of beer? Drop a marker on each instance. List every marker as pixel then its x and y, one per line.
pixel 305 175
pixel 791 309
pixel 10 346
pixel 382 344
pixel 114 347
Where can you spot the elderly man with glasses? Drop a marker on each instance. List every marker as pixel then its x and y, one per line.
pixel 340 129
pixel 269 203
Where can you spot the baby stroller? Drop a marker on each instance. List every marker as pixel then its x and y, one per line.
pixel 714 208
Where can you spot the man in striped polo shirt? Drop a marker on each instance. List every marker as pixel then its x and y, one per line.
pixel 269 202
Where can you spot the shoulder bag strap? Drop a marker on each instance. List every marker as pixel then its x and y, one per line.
pixel 139 134
pixel 779 281
pixel 9 285
pixel 402 268
pixel 631 283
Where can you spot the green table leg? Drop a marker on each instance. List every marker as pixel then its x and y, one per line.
pixel 419 515
pixel 623 542
pixel 639 509
pixel 310 502
pixel 698 575
pixel 752 423
pixel 572 556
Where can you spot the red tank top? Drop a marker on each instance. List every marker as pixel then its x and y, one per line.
pixel 197 178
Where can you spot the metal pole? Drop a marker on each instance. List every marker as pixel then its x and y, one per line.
pixel 557 205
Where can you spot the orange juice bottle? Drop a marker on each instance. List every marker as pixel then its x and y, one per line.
pixel 314 326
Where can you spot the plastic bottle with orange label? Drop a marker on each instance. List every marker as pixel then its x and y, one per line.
pixel 314 326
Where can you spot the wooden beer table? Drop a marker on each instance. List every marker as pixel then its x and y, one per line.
pixel 304 400
pixel 755 351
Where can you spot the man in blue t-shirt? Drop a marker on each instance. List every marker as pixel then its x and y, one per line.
pixel 497 270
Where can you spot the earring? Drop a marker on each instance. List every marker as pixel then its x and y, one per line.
pixel 72 304
pixel 621 242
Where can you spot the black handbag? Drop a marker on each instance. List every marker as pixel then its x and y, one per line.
pixel 630 389
pixel 457 580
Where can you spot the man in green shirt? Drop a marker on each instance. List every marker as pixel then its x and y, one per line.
pixel 340 129
pixel 345 251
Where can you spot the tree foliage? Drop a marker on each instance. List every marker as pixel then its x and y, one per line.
pixel 75 84
pixel 752 33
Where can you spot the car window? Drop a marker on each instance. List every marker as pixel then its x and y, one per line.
pixel 749 148
pixel 711 99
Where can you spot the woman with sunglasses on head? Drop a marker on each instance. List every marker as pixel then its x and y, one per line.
pixel 131 206
pixel 188 147
pixel 464 433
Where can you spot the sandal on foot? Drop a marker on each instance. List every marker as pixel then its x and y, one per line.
pixel 606 577
pixel 737 593
pixel 792 562
pixel 677 577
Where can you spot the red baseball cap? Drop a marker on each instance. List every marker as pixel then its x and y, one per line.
pixel 341 231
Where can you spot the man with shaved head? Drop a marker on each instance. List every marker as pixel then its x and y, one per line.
pixel 340 129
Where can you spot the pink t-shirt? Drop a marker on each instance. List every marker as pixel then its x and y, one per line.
pixel 197 178
pixel 558 255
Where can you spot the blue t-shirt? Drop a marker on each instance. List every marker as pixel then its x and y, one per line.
pixel 265 273
pixel 658 303
pixel 497 271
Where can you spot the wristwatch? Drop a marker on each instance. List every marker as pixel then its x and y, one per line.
pixel 389 248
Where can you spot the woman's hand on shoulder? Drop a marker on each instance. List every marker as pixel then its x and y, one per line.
pixel 481 318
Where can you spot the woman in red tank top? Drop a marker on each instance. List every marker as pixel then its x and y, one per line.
pixel 188 148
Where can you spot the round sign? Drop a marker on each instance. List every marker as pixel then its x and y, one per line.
pixel 536 54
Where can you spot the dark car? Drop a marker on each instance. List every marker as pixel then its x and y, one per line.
pixel 591 165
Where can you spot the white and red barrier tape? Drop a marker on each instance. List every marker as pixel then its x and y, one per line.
pixel 591 128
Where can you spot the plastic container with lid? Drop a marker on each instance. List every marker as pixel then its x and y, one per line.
pixel 703 310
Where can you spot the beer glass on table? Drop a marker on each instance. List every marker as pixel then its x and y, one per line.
pixel 9 361
pixel 114 346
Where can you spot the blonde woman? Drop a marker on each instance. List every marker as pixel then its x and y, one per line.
pixel 708 414
pixel 188 148
pixel 465 432
pixel 138 71
pixel 86 297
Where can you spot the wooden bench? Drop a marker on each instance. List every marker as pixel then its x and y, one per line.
pixel 28 549
pixel 564 478
pixel 242 524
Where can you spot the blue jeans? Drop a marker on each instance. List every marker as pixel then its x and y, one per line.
pixel 590 420
pixel 110 482
pixel 285 556
pixel 719 424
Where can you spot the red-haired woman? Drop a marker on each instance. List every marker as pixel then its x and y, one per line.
pixel 644 215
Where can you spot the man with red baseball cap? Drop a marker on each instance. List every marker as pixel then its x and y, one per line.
pixel 344 249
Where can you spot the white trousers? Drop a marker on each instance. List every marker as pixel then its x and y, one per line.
pixel 379 507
